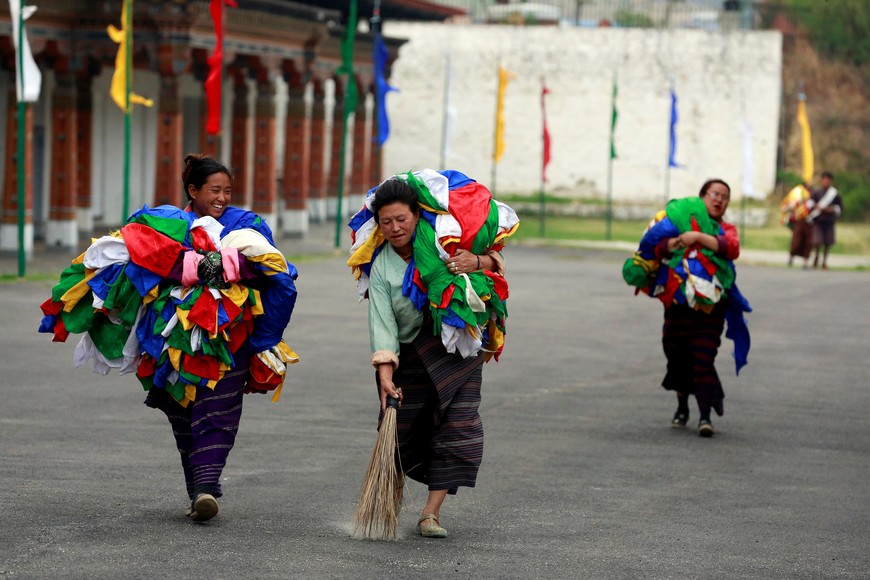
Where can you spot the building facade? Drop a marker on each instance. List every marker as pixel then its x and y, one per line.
pixel 281 112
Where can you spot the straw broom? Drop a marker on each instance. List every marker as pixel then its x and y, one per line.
pixel 380 499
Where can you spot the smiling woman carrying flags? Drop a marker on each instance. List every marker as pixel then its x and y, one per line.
pixel 195 302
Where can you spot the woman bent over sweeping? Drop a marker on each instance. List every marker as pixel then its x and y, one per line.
pixel 685 259
pixel 437 296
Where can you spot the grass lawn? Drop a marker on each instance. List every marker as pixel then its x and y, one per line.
pixel 852 238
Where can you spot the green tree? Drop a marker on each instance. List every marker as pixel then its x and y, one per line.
pixel 840 28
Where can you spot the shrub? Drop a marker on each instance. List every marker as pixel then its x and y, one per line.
pixel 855 191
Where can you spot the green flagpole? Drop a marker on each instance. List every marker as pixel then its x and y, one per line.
pixel 22 135
pixel 350 102
pixel 128 26
pixel 338 214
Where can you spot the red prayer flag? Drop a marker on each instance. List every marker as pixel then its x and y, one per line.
pixel 215 67
pixel 470 205
pixel 232 311
pixel 146 367
pixel 238 334
pixel 203 366
pixel 60 331
pixel 204 312
pixel 200 241
pixel 544 92
pixel 51 308
pixel 151 249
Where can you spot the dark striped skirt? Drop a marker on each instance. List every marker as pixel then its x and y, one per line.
pixel 439 428
pixel 206 429
pixel 691 339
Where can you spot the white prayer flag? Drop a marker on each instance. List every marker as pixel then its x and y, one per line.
pixel 748 189
pixel 32 76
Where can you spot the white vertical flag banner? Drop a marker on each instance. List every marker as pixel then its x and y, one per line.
pixel 29 93
pixel 449 113
pixel 748 189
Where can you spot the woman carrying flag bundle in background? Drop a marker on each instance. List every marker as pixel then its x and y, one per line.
pixel 685 259
pixel 195 302
pixel 436 289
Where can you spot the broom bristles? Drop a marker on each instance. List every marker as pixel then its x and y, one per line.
pixel 380 499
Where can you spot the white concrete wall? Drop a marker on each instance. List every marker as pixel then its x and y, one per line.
pixel 719 78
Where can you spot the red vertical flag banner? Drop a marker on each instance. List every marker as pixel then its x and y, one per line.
pixel 213 82
pixel 546 136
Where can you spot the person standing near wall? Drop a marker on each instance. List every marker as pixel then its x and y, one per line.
pixel 795 210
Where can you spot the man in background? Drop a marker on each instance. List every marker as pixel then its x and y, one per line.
pixel 827 207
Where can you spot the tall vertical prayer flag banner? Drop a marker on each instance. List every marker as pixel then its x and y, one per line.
pixel 351 97
pixel 122 78
pixel 614 115
pixel 545 157
pixel 214 78
pixel 449 113
pixel 672 151
pixel 546 132
pixel 382 87
pixel 808 168
pixel 504 77
pixel 120 91
pixel 28 81
pixel 748 170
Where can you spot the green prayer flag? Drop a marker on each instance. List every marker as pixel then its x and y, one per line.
pixel 351 96
pixel 173 228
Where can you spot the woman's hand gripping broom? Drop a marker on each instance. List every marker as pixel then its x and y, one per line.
pixel 380 499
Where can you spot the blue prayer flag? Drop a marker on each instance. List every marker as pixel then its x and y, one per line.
pixel 672 155
pixel 379 58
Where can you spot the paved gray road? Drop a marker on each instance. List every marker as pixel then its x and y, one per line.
pixel 582 477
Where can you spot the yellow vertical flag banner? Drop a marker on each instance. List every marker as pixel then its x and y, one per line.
pixel 119 77
pixel 503 78
pixel 806 140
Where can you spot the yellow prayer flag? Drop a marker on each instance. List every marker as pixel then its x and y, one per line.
pixel 806 140
pixel 503 78
pixel 119 77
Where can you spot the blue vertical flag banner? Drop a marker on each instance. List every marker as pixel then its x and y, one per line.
pixel 614 115
pixel 672 155
pixel 382 87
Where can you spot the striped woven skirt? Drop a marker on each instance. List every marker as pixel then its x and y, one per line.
pixel 206 429
pixel 691 340
pixel 439 428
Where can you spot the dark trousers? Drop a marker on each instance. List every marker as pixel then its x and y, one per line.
pixel 691 339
